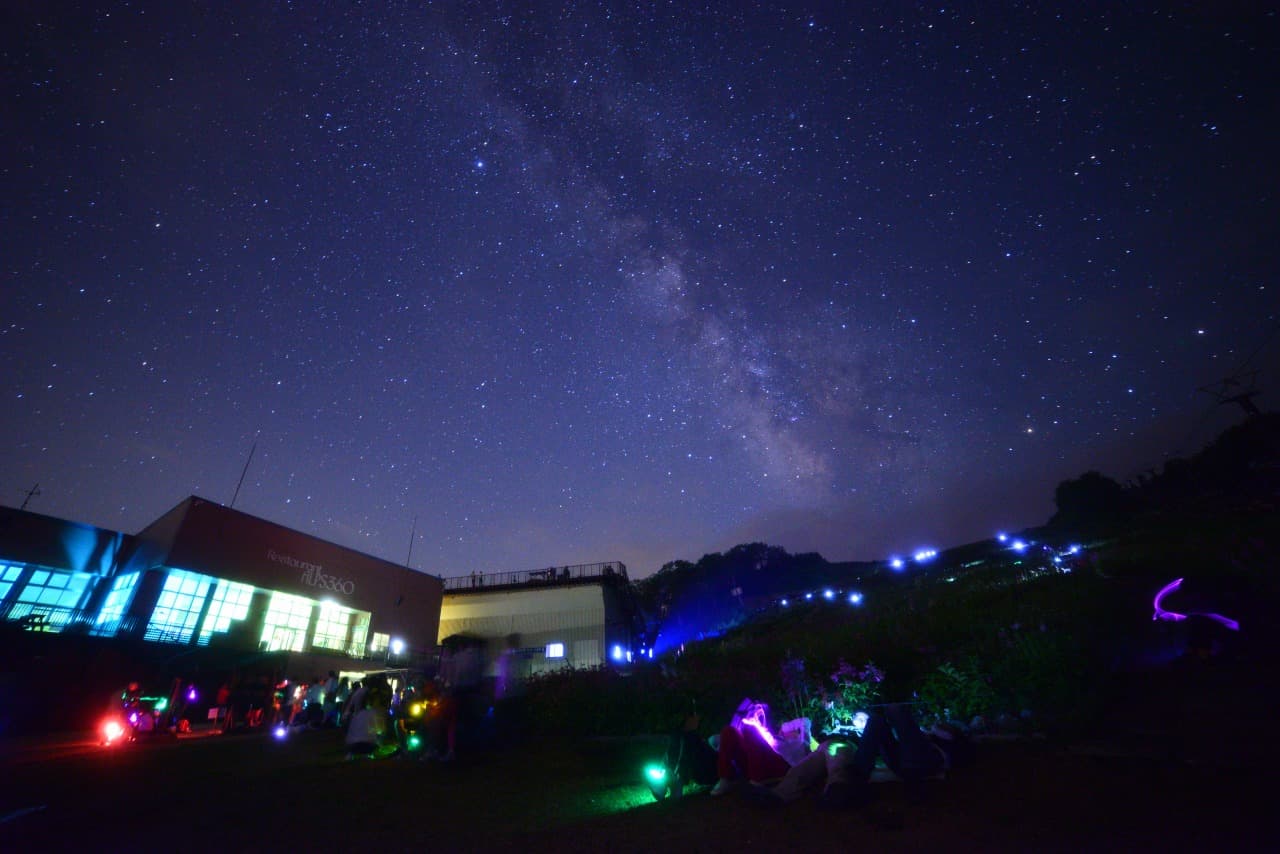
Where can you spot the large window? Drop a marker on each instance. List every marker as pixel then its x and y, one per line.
pixel 51 596
pixel 359 633
pixel 9 574
pixel 178 609
pixel 112 610
pixel 288 618
pixel 333 626
pixel 230 604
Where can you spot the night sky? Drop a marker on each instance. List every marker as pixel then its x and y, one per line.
pixel 570 282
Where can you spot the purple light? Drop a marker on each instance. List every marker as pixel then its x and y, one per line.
pixel 1174 616
pixel 191 695
pixel 757 723
pixel 281 731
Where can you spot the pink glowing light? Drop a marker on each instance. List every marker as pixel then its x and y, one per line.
pixel 756 721
pixel 1174 616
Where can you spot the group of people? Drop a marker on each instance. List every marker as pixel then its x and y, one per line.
pixel 747 756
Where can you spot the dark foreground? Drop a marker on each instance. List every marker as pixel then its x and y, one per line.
pixel 250 793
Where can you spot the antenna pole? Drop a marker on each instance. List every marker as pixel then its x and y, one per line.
pixel 412 533
pixel 31 493
pixel 243 473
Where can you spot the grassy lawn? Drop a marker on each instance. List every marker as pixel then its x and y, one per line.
pixel 251 793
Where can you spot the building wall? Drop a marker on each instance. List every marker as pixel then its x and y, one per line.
pixel 177 579
pixel 225 543
pixel 577 616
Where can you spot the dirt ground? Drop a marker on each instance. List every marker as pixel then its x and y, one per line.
pixel 252 793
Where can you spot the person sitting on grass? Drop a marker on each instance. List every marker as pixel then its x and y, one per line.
pixel 367 732
pixel 894 736
pixel 689 759
pixel 748 750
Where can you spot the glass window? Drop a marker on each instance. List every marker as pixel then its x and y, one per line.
pixel 288 618
pixel 178 607
pixel 555 650
pixel 112 610
pixel 379 643
pixel 9 573
pixel 53 597
pixel 359 633
pixel 230 604
pixel 332 626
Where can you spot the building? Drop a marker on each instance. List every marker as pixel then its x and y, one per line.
pixel 204 575
pixel 558 617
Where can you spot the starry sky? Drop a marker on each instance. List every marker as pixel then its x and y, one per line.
pixel 555 283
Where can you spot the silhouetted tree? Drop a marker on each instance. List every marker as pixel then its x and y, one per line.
pixel 1092 502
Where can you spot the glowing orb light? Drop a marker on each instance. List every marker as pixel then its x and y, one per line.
pixel 397 646
pixel 828 593
pixel 855 598
pixel 112 730
pixel 192 695
pixel 281 731
pixel 897 563
pixel 656 773
pixel 414 742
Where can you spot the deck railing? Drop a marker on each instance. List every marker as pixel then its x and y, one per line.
pixel 545 575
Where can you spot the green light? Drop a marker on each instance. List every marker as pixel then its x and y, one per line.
pixel 162 704
pixel 414 742
pixel 656 773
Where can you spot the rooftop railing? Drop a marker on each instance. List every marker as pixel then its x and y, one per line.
pixel 546 575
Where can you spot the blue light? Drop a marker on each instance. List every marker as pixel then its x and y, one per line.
pixel 924 555
pixel 897 563
pixel 855 598
pixel 785 603
pixel 1002 537
pixel 1019 546
pixel 617 652
pixel 808 596
pixel 828 593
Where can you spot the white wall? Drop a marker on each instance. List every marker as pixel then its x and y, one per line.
pixel 573 615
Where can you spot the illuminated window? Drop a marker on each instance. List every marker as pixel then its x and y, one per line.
pixel 52 596
pixel 555 650
pixel 288 618
pixel 230 604
pixel 379 643
pixel 178 608
pixel 112 610
pixel 8 575
pixel 333 626
pixel 359 633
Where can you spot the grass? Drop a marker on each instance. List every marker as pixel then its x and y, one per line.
pixel 253 794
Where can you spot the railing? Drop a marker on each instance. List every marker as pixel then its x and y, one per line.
pixel 546 575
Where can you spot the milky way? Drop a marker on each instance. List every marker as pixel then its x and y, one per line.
pixel 551 284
